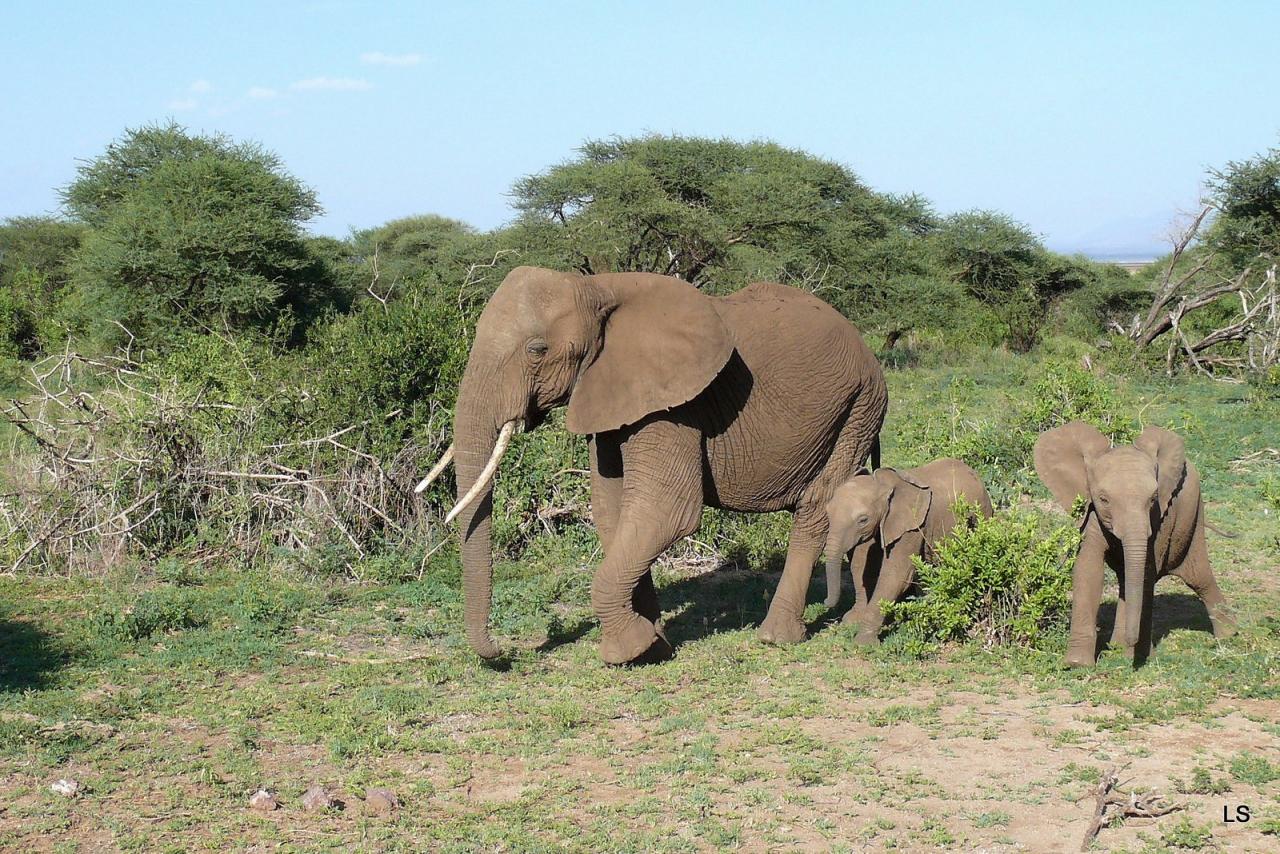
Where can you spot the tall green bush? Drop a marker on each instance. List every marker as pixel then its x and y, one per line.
pixel 194 232
pixel 1006 581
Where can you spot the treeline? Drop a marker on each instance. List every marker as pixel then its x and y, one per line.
pixel 169 233
pixel 193 371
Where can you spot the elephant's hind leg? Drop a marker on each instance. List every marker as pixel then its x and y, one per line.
pixel 785 621
pixel 1198 574
pixel 1118 627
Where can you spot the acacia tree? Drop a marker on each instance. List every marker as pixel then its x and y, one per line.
pixel 717 213
pixel 1003 265
pixel 34 254
pixel 188 230
pixel 1246 196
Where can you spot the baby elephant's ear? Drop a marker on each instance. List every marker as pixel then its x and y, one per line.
pixel 1170 454
pixel 908 506
pixel 1062 456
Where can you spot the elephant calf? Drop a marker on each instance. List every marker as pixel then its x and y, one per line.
pixel 1143 517
pixel 882 520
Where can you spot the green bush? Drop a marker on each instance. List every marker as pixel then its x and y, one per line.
pixel 1265 385
pixel 1006 581
pixel 189 231
pixel 165 609
pixel 1067 392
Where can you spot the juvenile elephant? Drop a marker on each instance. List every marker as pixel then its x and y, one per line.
pixel 759 401
pixel 885 518
pixel 1143 517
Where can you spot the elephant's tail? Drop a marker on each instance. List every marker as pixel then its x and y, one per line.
pixel 875 455
pixel 1219 531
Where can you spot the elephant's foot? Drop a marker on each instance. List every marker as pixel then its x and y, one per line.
pixel 852 617
pixel 777 629
pixel 868 636
pixel 1224 625
pixel 639 639
pixel 1080 657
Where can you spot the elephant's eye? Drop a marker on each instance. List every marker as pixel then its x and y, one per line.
pixel 864 519
pixel 1102 499
pixel 537 347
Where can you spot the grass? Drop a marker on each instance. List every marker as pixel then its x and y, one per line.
pixel 173 692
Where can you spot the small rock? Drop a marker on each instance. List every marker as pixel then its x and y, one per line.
pixel 316 798
pixel 380 801
pixel 66 788
pixel 263 801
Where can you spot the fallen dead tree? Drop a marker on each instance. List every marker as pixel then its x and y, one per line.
pixel 1191 282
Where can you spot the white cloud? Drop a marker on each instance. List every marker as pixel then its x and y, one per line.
pixel 200 86
pixel 262 93
pixel 401 60
pixel 333 84
pixel 183 104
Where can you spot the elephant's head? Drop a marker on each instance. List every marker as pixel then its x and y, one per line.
pixel 884 505
pixel 614 347
pixel 1129 488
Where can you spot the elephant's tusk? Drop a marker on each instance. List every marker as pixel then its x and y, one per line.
pixel 435 471
pixel 486 474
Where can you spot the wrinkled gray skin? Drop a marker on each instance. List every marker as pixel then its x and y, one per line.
pixel 1143 517
pixel 882 520
pixel 759 401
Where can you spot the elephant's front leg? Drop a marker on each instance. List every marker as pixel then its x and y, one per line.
pixel 661 502
pixel 785 621
pixel 606 508
pixel 1086 596
pixel 896 573
pixel 859 566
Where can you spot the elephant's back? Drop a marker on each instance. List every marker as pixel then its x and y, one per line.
pixel 790 329
pixel 950 479
pixel 805 372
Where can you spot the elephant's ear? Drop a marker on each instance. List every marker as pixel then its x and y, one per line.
pixel 1062 456
pixel 908 506
pixel 662 342
pixel 1170 454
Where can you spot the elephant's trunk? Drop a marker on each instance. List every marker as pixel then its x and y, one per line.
pixel 834 554
pixel 1135 577
pixel 834 560
pixel 475 434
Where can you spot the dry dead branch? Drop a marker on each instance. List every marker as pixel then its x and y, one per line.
pixel 120 464
pixel 1180 292
pixel 1111 803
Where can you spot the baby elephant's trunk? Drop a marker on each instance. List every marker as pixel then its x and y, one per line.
pixel 834 560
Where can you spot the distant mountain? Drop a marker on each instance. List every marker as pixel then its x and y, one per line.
pixel 1134 238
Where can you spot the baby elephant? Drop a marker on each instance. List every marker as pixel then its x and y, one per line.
pixel 1143 517
pixel 885 518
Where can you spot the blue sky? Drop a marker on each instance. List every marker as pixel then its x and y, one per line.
pixel 1092 122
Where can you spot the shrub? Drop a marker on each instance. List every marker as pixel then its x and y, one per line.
pixel 1066 392
pixel 190 231
pixel 1203 783
pixel 165 609
pixel 1006 581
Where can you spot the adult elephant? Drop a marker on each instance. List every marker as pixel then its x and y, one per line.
pixel 763 400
